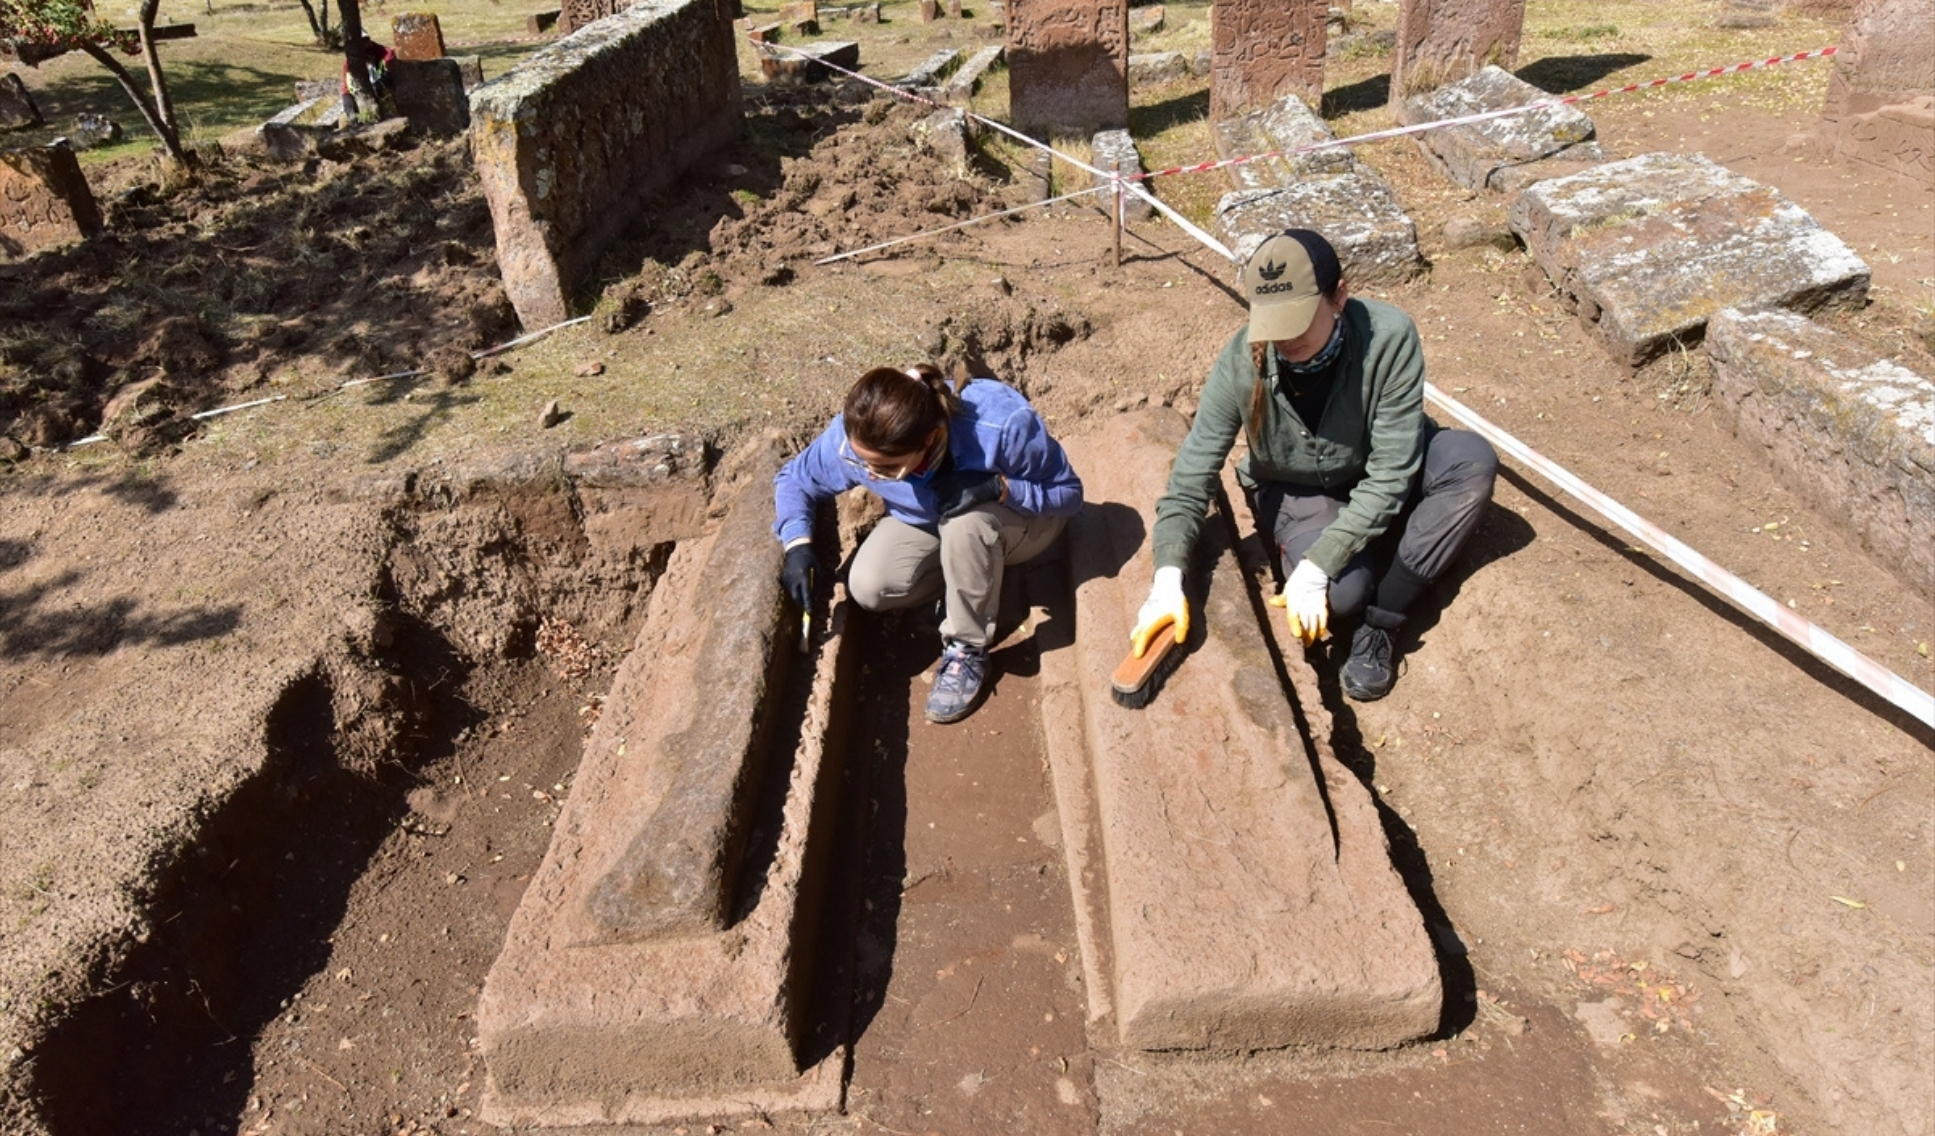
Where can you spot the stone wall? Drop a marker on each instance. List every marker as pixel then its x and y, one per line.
pixel 44 201
pixel 1439 41
pixel 1262 50
pixel 569 142
pixel 1068 66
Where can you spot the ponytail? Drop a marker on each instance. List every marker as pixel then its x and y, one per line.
pixel 1259 396
pixel 891 411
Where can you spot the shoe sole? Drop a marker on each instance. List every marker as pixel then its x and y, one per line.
pixel 1358 693
pixel 943 720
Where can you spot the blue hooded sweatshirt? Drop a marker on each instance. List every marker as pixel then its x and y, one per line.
pixel 996 430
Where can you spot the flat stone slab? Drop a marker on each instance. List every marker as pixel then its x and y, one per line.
pixel 967 80
pixel 1483 155
pixel 932 70
pixel 1649 248
pixel 1150 67
pixel 579 1026
pixel 1356 211
pixel 1234 888
pixel 1288 124
pixel 807 63
pixel 1851 431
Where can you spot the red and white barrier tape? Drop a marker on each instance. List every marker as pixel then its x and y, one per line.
pixel 1487 116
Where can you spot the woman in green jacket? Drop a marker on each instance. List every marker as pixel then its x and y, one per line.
pixel 1328 391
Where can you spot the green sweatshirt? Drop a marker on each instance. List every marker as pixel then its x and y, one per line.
pixel 1367 444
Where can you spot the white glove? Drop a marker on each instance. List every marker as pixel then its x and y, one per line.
pixel 1165 606
pixel 1306 598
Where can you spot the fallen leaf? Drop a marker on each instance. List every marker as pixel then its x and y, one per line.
pixel 1855 903
pixel 1602 909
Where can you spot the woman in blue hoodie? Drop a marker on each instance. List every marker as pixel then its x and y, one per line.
pixel 972 482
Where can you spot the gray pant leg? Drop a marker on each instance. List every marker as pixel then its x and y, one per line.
pixel 974 549
pixel 1448 500
pixel 897 566
pixel 1295 516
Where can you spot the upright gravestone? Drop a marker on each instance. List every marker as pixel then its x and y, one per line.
pixel 17 109
pixel 1262 50
pixel 1068 66
pixel 1441 41
pixel 1881 95
pixel 418 36
pixel 44 201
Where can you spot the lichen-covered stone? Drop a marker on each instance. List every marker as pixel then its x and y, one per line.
pixel 1651 247
pixel 1068 66
pixel 430 93
pixel 1477 155
pixel 568 143
pixel 1852 432
pixel 45 202
pixel 418 36
pixel 1356 211
pixel 1115 150
pixel 967 80
pixel 1288 124
pixel 932 70
pixel 1148 68
pixel 1264 50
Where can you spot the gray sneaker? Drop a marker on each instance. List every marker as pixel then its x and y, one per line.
pixel 957 682
pixel 1371 670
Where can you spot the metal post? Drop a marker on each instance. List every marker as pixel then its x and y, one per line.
pixel 1115 176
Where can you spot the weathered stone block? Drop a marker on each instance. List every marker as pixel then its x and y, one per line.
pixel 931 71
pixel 1356 211
pixel 1888 57
pixel 1146 20
pixel 864 14
pixel 1115 150
pixel 44 201
pixel 1899 139
pixel 418 36
pixel 954 9
pixel 472 69
pixel 541 23
pixel 930 10
pixel 308 89
pixel 1850 431
pixel 17 107
pixel 1289 125
pixel 1650 247
pixel 945 134
pixel 1262 51
pixel 799 12
pixel 1246 894
pixel 967 80
pixel 807 63
pixel 569 141
pixel 1149 68
pixel 430 93
pixel 581 1027
pixel 1440 41
pixel 1068 66
pixel 1476 154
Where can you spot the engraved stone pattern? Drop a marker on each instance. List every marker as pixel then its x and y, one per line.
pixel 1262 50
pixel 1472 154
pixel 418 36
pixel 1850 431
pixel 1356 211
pixel 1899 139
pixel 1439 41
pixel 1068 66
pixel 44 201
pixel 568 141
pixel 1649 248
pixel 576 14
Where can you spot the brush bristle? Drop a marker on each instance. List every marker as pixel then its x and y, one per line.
pixel 1136 681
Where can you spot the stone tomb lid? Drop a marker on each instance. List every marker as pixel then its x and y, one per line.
pixel 1470 153
pixel 1356 211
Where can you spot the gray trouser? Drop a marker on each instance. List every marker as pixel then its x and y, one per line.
pixel 901 565
pixel 1447 501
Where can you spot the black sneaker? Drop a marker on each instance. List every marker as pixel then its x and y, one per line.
pixel 1371 670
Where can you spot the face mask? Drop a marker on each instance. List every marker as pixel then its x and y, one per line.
pixel 1321 361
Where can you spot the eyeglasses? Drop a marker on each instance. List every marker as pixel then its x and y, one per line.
pixel 907 467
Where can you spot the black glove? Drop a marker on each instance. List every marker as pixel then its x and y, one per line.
pixel 957 491
pixel 801 573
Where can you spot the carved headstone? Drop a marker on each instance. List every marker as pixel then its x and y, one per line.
pixel 1441 41
pixel 17 109
pixel 1068 66
pixel 418 36
pixel 1882 90
pixel 1262 50
pixel 44 201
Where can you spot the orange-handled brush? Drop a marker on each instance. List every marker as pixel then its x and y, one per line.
pixel 1135 681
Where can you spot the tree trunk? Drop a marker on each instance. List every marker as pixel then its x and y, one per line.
pixel 355 59
pixel 163 130
pixel 164 105
pixel 318 14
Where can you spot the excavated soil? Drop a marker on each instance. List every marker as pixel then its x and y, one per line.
pixel 1682 877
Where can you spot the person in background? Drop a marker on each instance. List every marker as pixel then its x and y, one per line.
pixel 376 61
pixel 972 482
pixel 1366 500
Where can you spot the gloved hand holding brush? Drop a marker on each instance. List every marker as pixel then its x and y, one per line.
pixel 1306 595
pixel 1165 607
pixel 800 574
